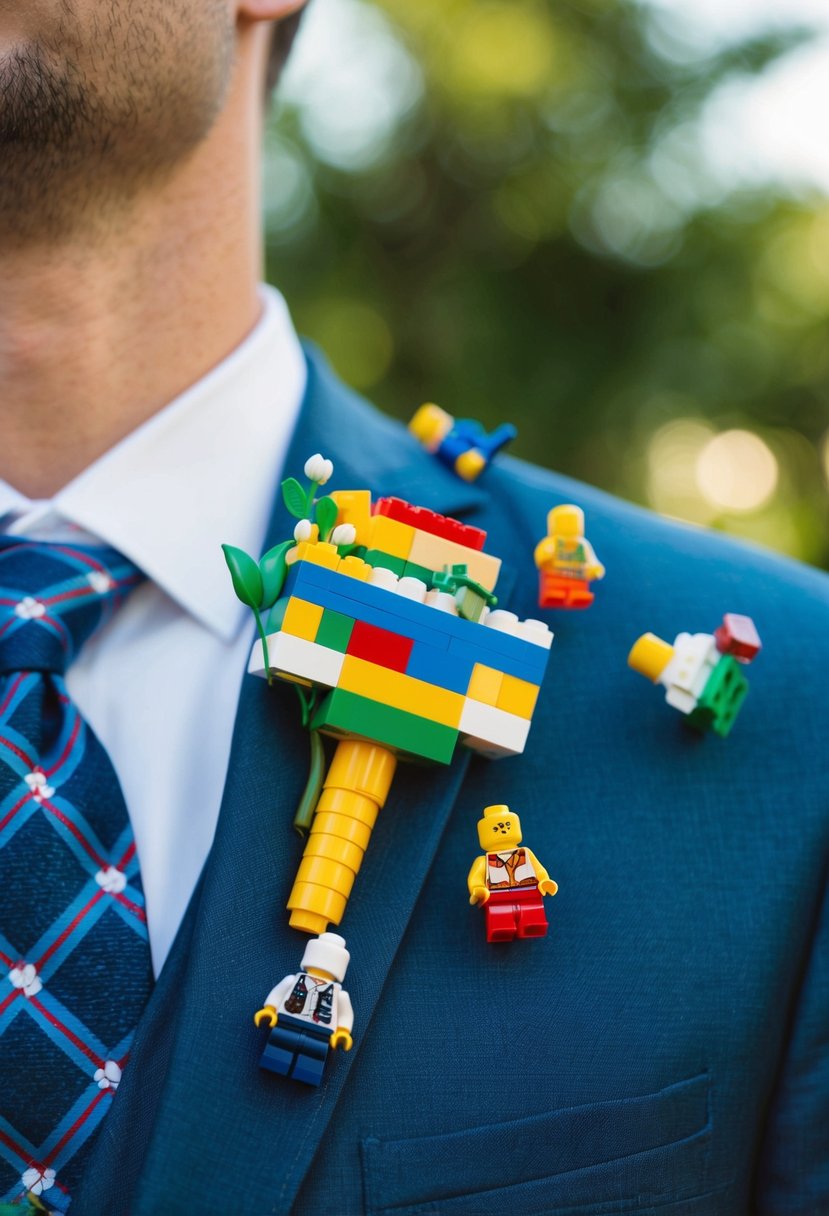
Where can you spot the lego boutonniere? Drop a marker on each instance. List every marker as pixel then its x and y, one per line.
pixel 383 616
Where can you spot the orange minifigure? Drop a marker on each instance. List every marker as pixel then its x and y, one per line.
pixel 566 561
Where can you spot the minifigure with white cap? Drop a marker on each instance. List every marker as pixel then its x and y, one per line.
pixel 566 561
pixel 308 1013
pixel 701 672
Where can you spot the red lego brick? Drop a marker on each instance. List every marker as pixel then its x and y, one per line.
pixel 430 521
pixel 737 636
pixel 380 646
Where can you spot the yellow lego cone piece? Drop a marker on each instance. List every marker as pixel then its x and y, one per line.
pixel 650 656
pixel 357 785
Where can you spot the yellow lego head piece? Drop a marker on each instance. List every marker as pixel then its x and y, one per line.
pixel 566 520
pixel 430 424
pixel 499 829
pixel 650 656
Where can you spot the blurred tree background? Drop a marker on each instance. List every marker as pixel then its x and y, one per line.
pixel 505 206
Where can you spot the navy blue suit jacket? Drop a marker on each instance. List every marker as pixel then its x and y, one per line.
pixel 664 1050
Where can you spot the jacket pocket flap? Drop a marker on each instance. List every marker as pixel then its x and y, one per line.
pixel 405 1173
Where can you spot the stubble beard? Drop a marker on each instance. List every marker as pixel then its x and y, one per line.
pixel 85 126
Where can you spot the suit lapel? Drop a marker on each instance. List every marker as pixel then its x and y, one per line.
pixel 194 1104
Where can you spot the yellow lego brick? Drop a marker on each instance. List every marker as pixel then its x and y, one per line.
pixel 298 551
pixel 390 536
pixel 321 554
pixel 434 552
pixel 485 684
pixel 517 696
pixel 354 507
pixel 354 567
pixel 301 619
pixel 401 691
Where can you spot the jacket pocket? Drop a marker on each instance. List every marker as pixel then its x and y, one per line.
pixel 631 1155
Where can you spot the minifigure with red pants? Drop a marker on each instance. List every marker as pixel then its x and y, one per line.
pixel 508 879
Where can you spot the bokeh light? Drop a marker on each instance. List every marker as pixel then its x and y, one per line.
pixel 736 471
pixel 673 487
pixel 607 221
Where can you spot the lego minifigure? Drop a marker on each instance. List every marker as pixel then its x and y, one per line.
pixel 309 1012
pixel 508 880
pixel 461 444
pixel 701 671
pixel 566 561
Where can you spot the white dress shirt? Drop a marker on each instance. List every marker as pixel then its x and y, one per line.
pixel 160 682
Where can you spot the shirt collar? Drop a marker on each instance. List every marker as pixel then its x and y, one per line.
pixel 200 472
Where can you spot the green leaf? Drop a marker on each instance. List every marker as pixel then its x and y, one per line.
pixel 294 497
pixel 325 516
pixel 272 567
pixel 247 581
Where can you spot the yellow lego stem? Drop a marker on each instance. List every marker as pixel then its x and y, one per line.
pixel 357 785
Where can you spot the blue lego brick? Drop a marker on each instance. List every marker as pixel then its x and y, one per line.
pixel 440 667
pixel 477 653
pixel 516 656
pixel 373 615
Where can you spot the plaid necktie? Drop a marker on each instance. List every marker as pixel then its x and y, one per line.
pixel 75 968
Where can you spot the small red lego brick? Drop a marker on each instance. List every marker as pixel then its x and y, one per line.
pixel 738 636
pixel 381 646
pixel 430 521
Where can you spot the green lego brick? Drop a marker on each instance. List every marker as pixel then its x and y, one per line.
pixel 720 700
pixel 349 713
pixel 375 557
pixel 334 630
pixel 422 572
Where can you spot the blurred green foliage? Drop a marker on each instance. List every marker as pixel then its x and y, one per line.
pixel 528 233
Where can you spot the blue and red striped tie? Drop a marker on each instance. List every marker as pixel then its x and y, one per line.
pixel 75 969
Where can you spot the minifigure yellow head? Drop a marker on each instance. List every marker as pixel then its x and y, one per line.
pixel 650 656
pixel 566 520
pixel 430 424
pixel 499 829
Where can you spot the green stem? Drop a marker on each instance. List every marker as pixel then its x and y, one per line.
pixel 309 501
pixel 313 786
pixel 261 629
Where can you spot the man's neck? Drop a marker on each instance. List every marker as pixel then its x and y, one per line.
pixel 99 332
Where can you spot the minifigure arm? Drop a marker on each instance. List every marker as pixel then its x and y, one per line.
pixel 593 568
pixel 341 1037
pixel 545 552
pixel 273 1000
pixel 476 881
pixel 546 885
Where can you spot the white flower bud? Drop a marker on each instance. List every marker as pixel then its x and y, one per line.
pixel 344 534
pixel 304 530
pixel 318 469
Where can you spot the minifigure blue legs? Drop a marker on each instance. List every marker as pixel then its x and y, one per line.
pixel 295 1049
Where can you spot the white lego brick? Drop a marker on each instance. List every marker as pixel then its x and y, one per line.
pixel 411 588
pixel 537 632
pixel 503 621
pixel 297 657
pixel 686 674
pixel 492 732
